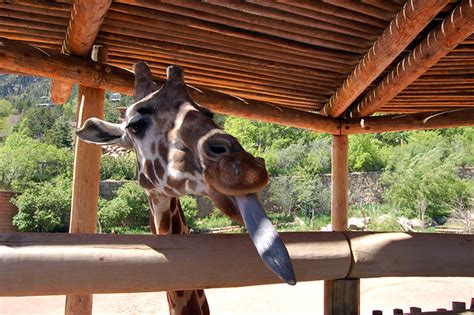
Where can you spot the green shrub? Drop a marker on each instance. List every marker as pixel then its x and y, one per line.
pixel 128 209
pixel 44 207
pixel 6 108
pixel 190 209
pixel 299 195
pixel 422 179
pixel 24 160
pixel 119 168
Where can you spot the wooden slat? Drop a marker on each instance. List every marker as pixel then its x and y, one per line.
pixel 414 16
pixel 86 19
pixel 31 61
pixel 439 42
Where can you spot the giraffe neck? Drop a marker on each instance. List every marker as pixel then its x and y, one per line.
pixel 167 217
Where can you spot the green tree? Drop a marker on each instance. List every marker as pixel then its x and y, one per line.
pixel 24 160
pixel 60 133
pixel 44 207
pixel 6 108
pixel 421 177
pixel 128 208
pixel 365 153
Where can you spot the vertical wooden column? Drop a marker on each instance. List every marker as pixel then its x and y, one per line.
pixel 85 189
pixel 342 296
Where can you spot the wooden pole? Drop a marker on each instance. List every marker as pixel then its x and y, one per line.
pixel 86 18
pixel 406 25
pixel 85 190
pixel 341 296
pixel 421 121
pixel 439 42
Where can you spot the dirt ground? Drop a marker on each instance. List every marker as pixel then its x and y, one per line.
pixel 305 298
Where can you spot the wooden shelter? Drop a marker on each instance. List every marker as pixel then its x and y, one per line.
pixel 333 66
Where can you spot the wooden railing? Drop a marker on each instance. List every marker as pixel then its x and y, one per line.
pixel 457 308
pixel 53 264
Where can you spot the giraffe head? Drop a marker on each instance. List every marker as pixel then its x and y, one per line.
pixel 181 151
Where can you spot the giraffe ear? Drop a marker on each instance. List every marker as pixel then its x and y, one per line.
pixel 97 131
pixel 144 83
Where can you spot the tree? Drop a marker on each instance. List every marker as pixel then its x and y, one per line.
pixel 365 153
pixel 421 177
pixel 44 207
pixel 24 160
pixel 6 108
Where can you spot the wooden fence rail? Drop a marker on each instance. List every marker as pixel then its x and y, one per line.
pixel 49 264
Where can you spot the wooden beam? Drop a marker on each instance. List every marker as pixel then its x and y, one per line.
pixel 439 42
pixel 29 60
pixel 84 25
pixel 406 25
pixel 341 296
pixel 41 264
pixel 86 176
pixel 420 121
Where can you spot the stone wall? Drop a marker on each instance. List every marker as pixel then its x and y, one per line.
pixel 7 211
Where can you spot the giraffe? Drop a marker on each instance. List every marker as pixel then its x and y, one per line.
pixel 181 151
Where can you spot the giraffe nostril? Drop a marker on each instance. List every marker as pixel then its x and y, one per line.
pixel 217 147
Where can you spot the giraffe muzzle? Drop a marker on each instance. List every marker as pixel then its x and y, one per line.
pixel 265 238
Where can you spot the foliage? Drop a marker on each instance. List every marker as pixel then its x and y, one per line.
pixel 44 207
pixel 422 177
pixel 365 153
pixel 6 108
pixel 257 137
pixel 24 160
pixel 60 133
pixel 110 112
pixel 215 219
pixel 51 125
pixel 129 208
pixel 379 217
pixel 23 91
pixel 299 195
pixel 119 168
pixel 190 208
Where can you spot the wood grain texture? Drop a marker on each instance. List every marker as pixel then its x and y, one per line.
pixel 437 44
pixel 84 25
pixel 407 24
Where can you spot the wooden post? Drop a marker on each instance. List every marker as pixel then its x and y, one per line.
pixel 85 190
pixel 340 296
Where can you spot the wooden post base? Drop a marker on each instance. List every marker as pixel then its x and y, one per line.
pixel 341 297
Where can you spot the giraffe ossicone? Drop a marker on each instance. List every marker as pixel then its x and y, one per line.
pixel 181 151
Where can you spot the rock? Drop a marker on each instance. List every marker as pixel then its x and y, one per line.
pixel 405 224
pixel 356 224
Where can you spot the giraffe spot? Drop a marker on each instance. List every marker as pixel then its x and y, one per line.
pixel 163 151
pixel 193 304
pixel 150 171
pixel 180 293
pixel 165 223
pixel 144 182
pixel 158 168
pixel 200 293
pixel 177 184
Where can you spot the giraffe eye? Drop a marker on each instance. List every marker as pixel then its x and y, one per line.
pixel 137 127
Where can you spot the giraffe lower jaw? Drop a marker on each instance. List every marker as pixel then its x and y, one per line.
pixel 268 243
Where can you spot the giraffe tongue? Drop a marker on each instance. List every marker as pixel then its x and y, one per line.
pixel 268 243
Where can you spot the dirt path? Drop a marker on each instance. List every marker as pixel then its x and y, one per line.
pixel 304 298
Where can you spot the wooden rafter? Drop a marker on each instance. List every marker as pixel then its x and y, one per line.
pixel 439 42
pixel 418 121
pixel 86 18
pixel 26 59
pixel 407 24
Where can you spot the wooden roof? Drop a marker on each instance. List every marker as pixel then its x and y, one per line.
pixel 333 57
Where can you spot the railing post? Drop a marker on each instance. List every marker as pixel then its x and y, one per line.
pixel 340 296
pixel 85 191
